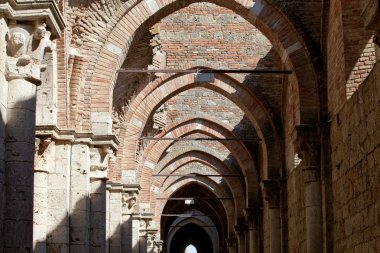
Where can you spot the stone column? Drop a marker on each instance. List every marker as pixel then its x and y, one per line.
pixel 115 209
pixel 251 215
pixel 144 233
pixel 231 244
pixel 271 189
pixel 308 149
pixel 59 198
pixel 44 153
pixel 23 73
pixel 99 157
pixel 135 233
pixel 129 199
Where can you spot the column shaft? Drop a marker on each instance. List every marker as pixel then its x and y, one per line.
pixel 79 199
pixel 98 216
pixel 313 206
pixel 275 230
pixel 59 199
pixel 115 222
pixel 19 157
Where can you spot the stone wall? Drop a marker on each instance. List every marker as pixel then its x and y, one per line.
pixel 355 142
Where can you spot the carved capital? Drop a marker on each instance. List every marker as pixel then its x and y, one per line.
pixel 158 246
pixel 26 47
pixel 231 241
pixel 271 189
pixel 129 201
pixel 129 197
pixel 308 145
pixel 240 230
pixel 42 147
pixel 251 217
pixel 100 157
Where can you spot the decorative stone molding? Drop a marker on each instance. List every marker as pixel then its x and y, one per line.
pixel 73 136
pixel 271 189
pixel 34 10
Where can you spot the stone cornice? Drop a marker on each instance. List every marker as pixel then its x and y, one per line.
pixel 73 136
pixel 31 10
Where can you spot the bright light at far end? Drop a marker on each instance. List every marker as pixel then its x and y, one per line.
pixel 190 249
pixel 189 202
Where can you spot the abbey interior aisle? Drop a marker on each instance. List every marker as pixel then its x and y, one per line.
pixel 188 126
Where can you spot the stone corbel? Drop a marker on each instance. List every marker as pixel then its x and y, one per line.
pixel 42 148
pixel 100 157
pixel 271 189
pixel 309 150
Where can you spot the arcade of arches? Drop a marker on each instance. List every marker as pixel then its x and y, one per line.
pixel 102 151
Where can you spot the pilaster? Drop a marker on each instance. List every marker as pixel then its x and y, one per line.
pixel 240 231
pixel 309 150
pixel 252 218
pixel 129 200
pixel 231 244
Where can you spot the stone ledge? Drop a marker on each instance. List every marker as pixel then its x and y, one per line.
pixel 34 10
pixel 76 137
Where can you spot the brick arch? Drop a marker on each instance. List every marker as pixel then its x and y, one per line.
pixel 286 39
pixel 237 149
pixel 205 157
pixel 208 122
pixel 208 184
pixel 213 163
pixel 161 90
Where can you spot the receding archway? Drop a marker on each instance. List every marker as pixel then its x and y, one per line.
pixel 194 235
